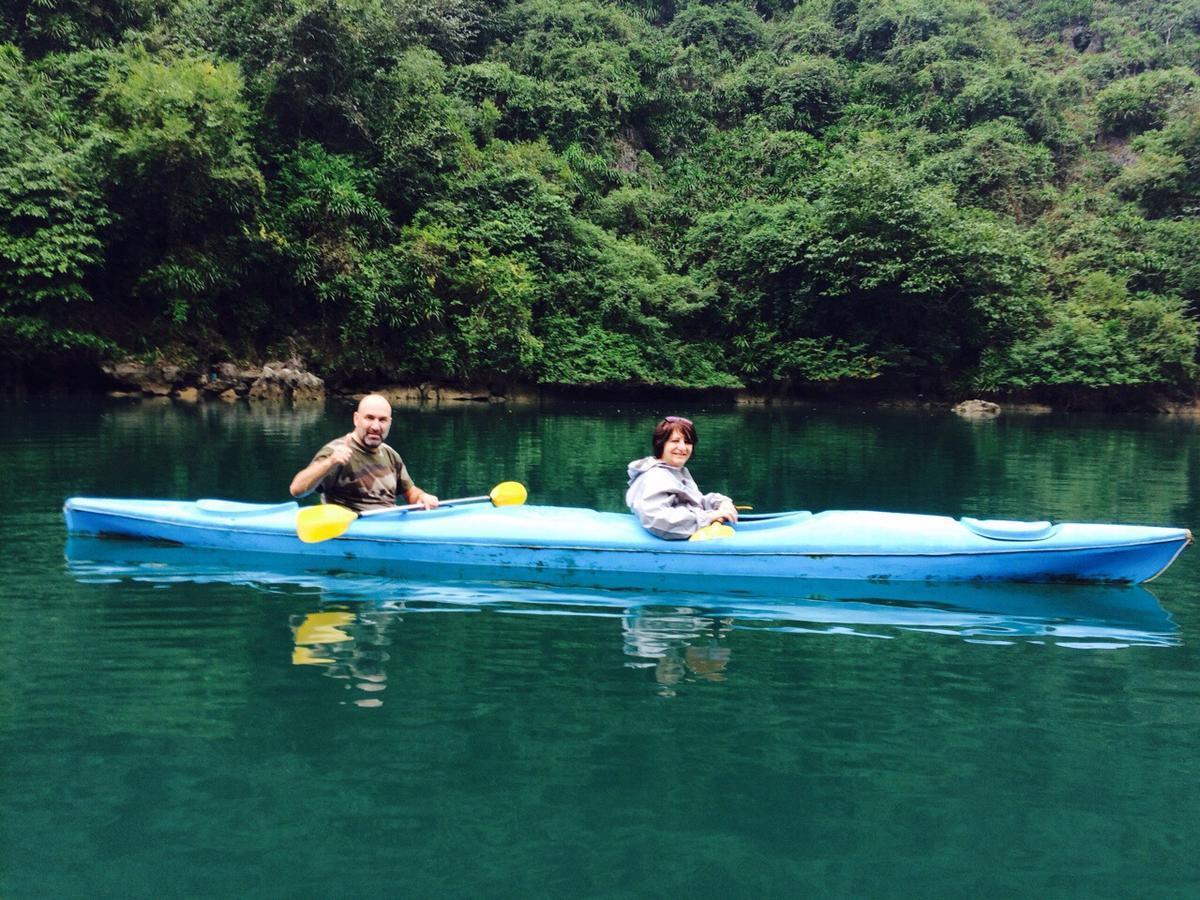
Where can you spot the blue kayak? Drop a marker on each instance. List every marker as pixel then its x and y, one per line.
pixel 544 540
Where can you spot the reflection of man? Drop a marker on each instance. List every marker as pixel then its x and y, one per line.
pixel 347 645
pixel 359 470
pixel 315 634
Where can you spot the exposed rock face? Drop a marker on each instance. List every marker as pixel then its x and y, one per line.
pixel 427 392
pixel 977 409
pixel 408 394
pixel 628 145
pixel 288 379
pixel 229 376
pixel 1083 39
pixel 154 379
pixel 277 380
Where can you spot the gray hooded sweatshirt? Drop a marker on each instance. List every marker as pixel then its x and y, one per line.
pixel 666 500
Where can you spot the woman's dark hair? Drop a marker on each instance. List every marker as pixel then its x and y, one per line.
pixel 664 429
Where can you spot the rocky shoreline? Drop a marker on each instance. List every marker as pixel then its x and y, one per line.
pixel 273 380
pixel 290 380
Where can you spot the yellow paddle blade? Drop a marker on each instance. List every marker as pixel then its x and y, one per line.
pixel 509 493
pixel 712 532
pixel 320 523
pixel 304 656
pixel 322 628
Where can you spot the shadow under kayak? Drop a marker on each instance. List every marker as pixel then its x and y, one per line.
pixel 855 545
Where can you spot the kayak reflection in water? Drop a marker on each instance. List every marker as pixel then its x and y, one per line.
pixel 358 470
pixel 662 493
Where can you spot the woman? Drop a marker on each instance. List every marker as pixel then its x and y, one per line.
pixel 662 493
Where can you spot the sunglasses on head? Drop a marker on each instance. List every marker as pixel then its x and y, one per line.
pixel 680 419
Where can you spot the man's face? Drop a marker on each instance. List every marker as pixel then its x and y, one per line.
pixel 372 421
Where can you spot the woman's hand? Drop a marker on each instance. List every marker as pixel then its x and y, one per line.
pixel 726 512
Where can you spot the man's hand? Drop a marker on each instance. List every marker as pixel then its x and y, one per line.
pixel 415 496
pixel 312 474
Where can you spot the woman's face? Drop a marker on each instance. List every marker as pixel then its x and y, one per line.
pixel 676 451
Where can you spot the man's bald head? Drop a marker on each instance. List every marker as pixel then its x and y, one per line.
pixel 376 402
pixel 372 420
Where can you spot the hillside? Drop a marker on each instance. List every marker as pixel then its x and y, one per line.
pixel 943 197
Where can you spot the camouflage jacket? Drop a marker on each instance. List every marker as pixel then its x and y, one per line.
pixel 370 480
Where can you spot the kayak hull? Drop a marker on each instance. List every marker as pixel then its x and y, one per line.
pixel 543 541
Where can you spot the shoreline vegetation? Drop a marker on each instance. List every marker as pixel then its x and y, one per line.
pixel 823 200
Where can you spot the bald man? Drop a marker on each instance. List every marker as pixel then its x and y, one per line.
pixel 359 470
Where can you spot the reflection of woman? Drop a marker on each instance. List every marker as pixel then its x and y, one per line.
pixel 662 493
pixel 669 637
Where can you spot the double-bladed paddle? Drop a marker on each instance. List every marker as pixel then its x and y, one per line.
pixel 328 520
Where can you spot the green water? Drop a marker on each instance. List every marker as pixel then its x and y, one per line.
pixel 170 727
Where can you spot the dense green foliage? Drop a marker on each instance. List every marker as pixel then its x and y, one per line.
pixel 935 195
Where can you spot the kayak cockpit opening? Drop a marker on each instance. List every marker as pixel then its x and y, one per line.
pixel 1006 530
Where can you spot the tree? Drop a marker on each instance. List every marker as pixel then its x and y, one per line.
pixel 1137 104
pixel 1101 338
pixel 183 182
pixel 52 213
pixel 1165 177
pixel 64 25
pixel 875 261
